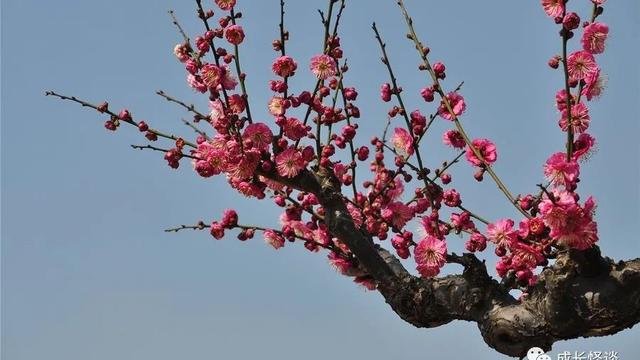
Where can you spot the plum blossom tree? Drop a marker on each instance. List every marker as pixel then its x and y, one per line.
pixel 553 283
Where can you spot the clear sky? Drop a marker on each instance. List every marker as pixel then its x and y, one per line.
pixel 87 272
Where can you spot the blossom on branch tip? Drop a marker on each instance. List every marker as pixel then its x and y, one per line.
pixel 226 4
pixel 553 8
pixel 181 51
pixel 594 37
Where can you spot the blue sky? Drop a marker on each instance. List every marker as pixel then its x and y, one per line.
pixel 87 272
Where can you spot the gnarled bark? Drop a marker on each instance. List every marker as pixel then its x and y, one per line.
pixel 582 294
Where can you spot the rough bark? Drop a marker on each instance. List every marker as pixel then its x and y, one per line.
pixel 582 294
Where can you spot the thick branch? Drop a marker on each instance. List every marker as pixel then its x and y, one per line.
pixel 580 296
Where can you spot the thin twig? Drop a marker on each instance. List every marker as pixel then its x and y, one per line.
pixel 420 48
pixel 115 116
pixel 154 148
pixel 177 24
pixel 195 128
pixel 190 107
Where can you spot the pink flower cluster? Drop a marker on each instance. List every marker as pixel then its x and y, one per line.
pixel 310 128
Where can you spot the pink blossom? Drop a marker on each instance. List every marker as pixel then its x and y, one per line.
pixel 397 213
pixel 476 242
pixel 217 231
pixel 208 160
pixel 366 281
pixel 195 83
pixel 427 94
pixel 502 233
pixel 284 66
pixel 554 211
pixel 431 225
pixel 579 118
pixel 430 255
pixel 342 265
pixel 277 106
pixel 594 85
pixel 454 139
pixel 451 198
pixel 526 255
pixel 594 37
pixel 259 135
pixel 236 104
pixel 487 150
pixel 244 166
pixel 289 162
pixel 226 4
pixel 581 64
pixel 216 110
pixel 456 101
pixel 581 235
pixel 234 34
pixel 247 188
pixel 560 171
pixel 571 225
pixel 228 81
pixel 395 189
pixel 571 21
pixel 181 51
pixel 583 146
pixel 323 66
pixel 402 142
pixel 321 236
pixel 356 214
pixel 274 239
pixel 533 226
pixel 211 75
pixel 294 129
pixel 561 99
pixel 385 92
pixel 350 94
pixel 229 219
pixel 191 66
pixel 462 221
pixel 553 8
